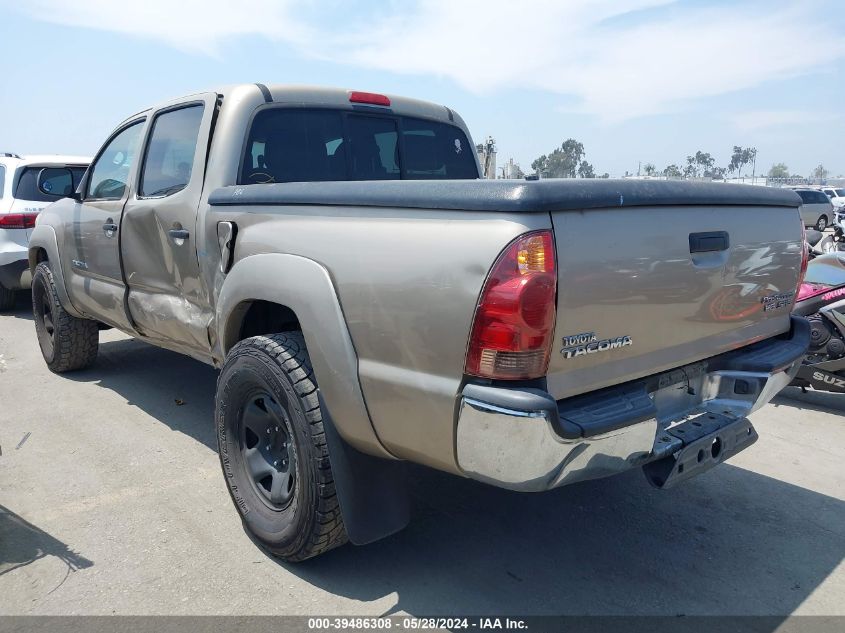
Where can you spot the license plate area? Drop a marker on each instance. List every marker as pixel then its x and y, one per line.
pixel 695 446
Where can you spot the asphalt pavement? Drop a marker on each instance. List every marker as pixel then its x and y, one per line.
pixel 112 501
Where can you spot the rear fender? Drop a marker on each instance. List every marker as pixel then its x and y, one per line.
pixel 305 287
pixel 370 483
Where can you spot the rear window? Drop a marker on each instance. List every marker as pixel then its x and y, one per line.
pixel 27 188
pixel 2 179
pixel 312 145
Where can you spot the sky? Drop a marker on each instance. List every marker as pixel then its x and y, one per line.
pixel 636 81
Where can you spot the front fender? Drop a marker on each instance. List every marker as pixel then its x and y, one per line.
pixel 305 287
pixel 43 237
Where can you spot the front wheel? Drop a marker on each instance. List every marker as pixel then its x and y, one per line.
pixel 67 342
pixel 821 224
pixel 273 448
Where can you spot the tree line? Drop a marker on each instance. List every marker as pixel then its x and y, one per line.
pixel 569 161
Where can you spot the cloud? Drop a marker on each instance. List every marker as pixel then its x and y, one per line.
pixel 195 26
pixel 616 59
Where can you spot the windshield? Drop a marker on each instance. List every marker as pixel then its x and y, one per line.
pixel 839 193
pixel 308 145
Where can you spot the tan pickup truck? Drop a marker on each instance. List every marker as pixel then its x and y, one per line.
pixel 370 301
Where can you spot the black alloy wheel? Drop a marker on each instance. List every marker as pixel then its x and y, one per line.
pixel 269 454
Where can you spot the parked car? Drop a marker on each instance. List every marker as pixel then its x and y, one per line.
pixel 836 196
pixel 371 300
pixel 20 202
pixel 816 209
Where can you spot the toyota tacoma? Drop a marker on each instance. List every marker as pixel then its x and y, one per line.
pixel 371 301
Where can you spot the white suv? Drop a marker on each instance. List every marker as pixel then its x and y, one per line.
pixel 837 197
pixel 20 202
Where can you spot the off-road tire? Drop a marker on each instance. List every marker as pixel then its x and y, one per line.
pixel 822 223
pixel 73 342
pixel 7 298
pixel 278 365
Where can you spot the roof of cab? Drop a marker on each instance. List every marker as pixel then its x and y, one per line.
pixel 319 96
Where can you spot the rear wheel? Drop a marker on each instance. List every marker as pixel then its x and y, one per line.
pixel 67 342
pixel 7 298
pixel 822 223
pixel 273 449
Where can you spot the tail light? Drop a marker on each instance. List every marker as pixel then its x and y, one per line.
pixel 18 220
pixel 514 321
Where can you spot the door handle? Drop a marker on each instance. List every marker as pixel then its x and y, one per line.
pixel 179 234
pixel 109 228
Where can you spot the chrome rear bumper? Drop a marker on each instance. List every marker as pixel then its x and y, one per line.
pixel 530 446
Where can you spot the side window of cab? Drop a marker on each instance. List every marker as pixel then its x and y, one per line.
pixel 110 172
pixel 169 158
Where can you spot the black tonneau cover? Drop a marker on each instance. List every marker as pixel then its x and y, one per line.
pixel 506 195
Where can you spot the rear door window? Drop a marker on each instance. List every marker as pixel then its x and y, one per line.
pixel 170 151
pixel 27 187
pixel 2 179
pixel 311 145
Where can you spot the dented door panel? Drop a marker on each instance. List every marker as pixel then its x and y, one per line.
pixel 166 298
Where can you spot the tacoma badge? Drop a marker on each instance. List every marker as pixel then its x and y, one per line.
pixel 588 343
pixel 775 302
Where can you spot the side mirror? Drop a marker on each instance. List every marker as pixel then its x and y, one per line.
pixel 57 181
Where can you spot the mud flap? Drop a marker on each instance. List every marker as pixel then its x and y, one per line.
pixel 819 379
pixel 372 492
pixel 697 445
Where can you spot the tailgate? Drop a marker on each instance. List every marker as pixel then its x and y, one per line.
pixel 646 289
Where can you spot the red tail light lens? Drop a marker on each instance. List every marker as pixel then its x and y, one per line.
pixel 18 220
pixel 514 322
pixel 370 98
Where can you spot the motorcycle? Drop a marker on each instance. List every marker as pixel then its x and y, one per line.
pixel 820 243
pixel 821 299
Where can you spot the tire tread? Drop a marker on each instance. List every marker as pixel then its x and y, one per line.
pixel 289 352
pixel 75 341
